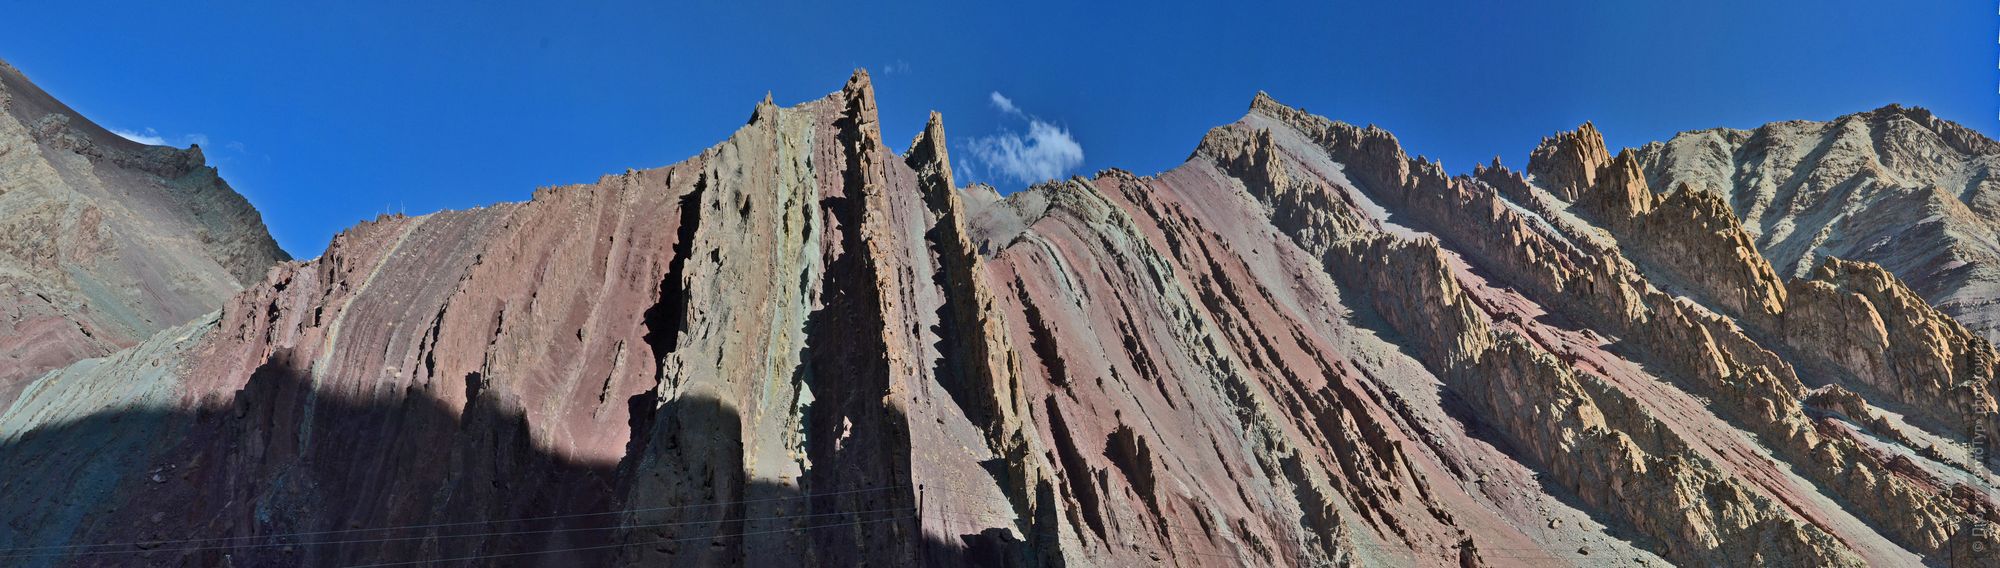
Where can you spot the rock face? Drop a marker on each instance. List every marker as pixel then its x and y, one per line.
pixel 1301 347
pixel 1858 323
pixel 1894 186
pixel 1568 163
pixel 105 241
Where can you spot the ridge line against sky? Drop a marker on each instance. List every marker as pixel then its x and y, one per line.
pixel 323 118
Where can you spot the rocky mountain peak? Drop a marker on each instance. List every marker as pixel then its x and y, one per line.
pixel 1263 101
pixel 105 241
pixel 1568 162
pixel 927 154
pixel 859 94
pixel 1954 135
pixel 1620 191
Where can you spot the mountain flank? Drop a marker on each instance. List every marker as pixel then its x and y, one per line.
pixel 1301 347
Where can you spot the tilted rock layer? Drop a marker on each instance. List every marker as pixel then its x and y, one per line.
pixel 1301 347
pixel 105 241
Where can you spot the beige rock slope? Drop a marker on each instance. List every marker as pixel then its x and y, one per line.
pixel 1301 347
pixel 1894 186
pixel 104 241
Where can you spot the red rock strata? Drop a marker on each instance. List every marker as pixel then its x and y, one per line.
pixel 1300 347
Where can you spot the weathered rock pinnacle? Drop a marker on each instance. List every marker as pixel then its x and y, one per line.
pixel 1568 163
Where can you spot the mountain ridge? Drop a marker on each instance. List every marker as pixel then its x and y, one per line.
pixel 1896 186
pixel 1301 346
pixel 106 241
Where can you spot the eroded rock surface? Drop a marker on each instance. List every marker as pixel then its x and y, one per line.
pixel 1301 347
pixel 105 241
pixel 1894 186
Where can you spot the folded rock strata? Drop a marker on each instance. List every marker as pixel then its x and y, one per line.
pixel 1300 347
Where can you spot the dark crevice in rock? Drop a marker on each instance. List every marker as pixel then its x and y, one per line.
pixel 617 363
pixel 641 412
pixel 854 437
pixel 428 345
pixel 664 322
pixel 1142 357
pixel 1043 342
pixel 1076 471
pixel 1316 509
pixel 1134 458
pixel 667 318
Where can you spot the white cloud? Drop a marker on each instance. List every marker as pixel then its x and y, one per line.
pixel 1045 152
pixel 1005 104
pixel 150 137
pixel 899 66
pixel 153 138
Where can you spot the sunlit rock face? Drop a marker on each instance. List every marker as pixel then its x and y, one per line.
pixel 1301 347
pixel 1894 186
pixel 105 241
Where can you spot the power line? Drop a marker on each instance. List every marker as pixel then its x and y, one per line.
pixel 661 541
pixel 963 516
pixel 10 552
pixel 427 537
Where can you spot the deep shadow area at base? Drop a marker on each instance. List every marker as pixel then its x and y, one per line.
pixel 279 475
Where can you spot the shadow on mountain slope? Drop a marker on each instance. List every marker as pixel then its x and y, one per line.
pixel 283 475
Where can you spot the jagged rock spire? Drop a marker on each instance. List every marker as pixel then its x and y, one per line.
pixel 1263 101
pixel 1567 163
pixel 927 153
pixel 763 109
pixel 860 96
pixel 1621 189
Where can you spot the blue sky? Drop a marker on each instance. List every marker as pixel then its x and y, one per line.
pixel 325 114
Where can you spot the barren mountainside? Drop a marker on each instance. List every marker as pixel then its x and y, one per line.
pixel 105 241
pixel 1895 186
pixel 1300 347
